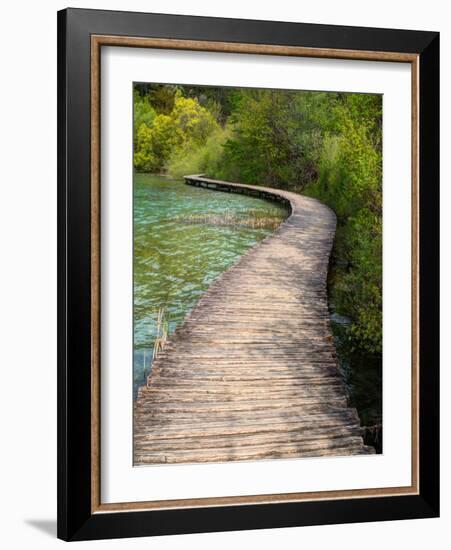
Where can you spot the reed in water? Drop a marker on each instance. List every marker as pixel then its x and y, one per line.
pixel 162 333
pixel 253 219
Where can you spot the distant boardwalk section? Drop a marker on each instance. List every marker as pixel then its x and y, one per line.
pixel 252 371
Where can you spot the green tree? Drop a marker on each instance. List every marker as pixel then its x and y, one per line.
pixel 192 122
pixel 185 128
pixel 276 138
pixel 143 113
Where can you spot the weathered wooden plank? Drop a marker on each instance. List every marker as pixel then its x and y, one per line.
pixel 208 407
pixel 161 415
pixel 228 394
pixel 257 376
pixel 258 370
pixel 261 421
pixel 252 372
pixel 298 438
pixel 345 445
pixel 178 429
pixel 188 384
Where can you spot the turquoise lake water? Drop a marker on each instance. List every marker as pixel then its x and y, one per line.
pixel 184 238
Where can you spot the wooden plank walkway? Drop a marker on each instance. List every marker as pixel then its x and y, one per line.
pixel 252 371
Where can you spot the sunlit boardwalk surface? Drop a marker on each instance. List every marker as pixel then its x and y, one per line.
pixel 252 371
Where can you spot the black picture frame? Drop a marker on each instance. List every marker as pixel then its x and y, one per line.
pixel 75 518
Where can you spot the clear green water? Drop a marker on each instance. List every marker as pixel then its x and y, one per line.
pixel 176 260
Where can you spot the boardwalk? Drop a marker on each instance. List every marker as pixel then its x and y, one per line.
pixel 252 372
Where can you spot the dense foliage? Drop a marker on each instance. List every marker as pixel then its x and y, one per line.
pixel 326 145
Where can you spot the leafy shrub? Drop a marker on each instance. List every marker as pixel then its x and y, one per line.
pixel 350 182
pixel 202 159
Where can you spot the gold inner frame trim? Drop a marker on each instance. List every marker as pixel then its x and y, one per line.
pixel 97 41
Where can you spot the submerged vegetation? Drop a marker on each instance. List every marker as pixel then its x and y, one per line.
pixel 324 144
pixel 255 219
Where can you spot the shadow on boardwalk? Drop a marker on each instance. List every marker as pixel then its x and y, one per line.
pixel 252 372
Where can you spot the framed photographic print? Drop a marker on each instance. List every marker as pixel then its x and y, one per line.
pixel 248 274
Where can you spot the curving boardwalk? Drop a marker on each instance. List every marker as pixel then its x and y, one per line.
pixel 252 372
